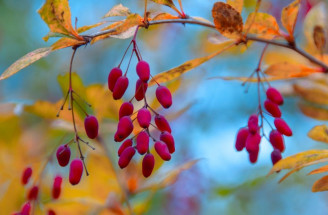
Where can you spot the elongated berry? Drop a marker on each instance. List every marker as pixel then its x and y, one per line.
pixel 253 155
pixel 33 193
pixel 75 171
pixel 141 88
pixel 253 142
pixel 253 122
pixel 272 108
pixel 120 87
pixel 143 70
pixel 126 157
pixel 167 138
pixel 164 96
pixel 275 156
pixel 114 74
pixel 26 209
pixel 63 155
pixel 241 139
pixel 91 126
pixel 124 145
pixel 51 212
pixel 277 140
pixel 162 124
pixel 126 109
pixel 56 187
pixel 27 173
pixel 124 127
pixel 144 117
pixel 274 95
pixel 148 164
pixel 162 150
pixel 282 127
pixel 142 142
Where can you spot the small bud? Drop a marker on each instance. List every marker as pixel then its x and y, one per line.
pixel 126 157
pixel 126 109
pixel 121 85
pixel 91 126
pixel 167 138
pixel 148 164
pixel 27 173
pixel 143 70
pixel 162 150
pixel 63 155
pixel 241 139
pixel 142 142
pixel 162 124
pixel 272 108
pixel 277 140
pixel 26 209
pixel 164 96
pixel 253 142
pixel 274 95
pixel 282 127
pixel 144 117
pixel 141 88
pixel 124 128
pixel 75 171
pixel 114 74
pixel 253 155
pixel 275 156
pixel 253 122
pixel 56 188
pixel 33 193
pixel 124 145
pixel 51 212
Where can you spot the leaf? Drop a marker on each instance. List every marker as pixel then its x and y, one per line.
pixel 314 112
pixel 289 70
pixel 118 10
pixel 319 170
pixel 227 20
pixel 57 15
pixel 312 91
pixel 185 67
pixel 257 7
pixel 168 3
pixel 164 16
pixel 262 24
pixel 245 79
pixel 237 4
pixel 66 42
pixel 319 38
pixel 319 133
pixel 289 16
pixel 25 61
pixel 299 160
pixel 321 184
pixel 88 27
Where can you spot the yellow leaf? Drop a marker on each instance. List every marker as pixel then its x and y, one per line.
pixel 289 16
pixel 164 16
pixel 289 70
pixel 257 7
pixel 319 133
pixel 246 79
pixel 185 67
pixel 227 20
pixel 66 42
pixel 312 91
pixel 319 38
pixel 57 15
pixel 319 170
pixel 88 27
pixel 25 61
pixel 321 184
pixel 300 159
pixel 237 4
pixel 263 25
pixel 314 111
pixel 118 10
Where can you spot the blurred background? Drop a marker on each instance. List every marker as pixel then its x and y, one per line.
pixel 205 118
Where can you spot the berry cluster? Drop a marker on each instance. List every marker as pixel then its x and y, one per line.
pixel 33 192
pixel 164 146
pixel 250 138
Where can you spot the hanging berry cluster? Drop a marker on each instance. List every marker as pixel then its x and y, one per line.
pixel 164 146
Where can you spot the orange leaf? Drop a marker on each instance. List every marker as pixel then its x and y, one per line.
pixel 57 15
pixel 25 61
pixel 262 24
pixel 319 133
pixel 227 20
pixel 321 184
pixel 164 16
pixel 319 170
pixel 88 27
pixel 289 16
pixel 237 4
pixel 312 91
pixel 319 38
pixel 289 70
pixel 314 112
pixel 66 42
pixel 118 10
pixel 168 3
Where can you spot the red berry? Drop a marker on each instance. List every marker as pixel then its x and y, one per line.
pixel 148 164
pixel 124 145
pixel 126 109
pixel 91 126
pixel 26 209
pixel 141 88
pixel 27 173
pixel 126 157
pixel 143 70
pixel 167 138
pixel 282 127
pixel 164 96
pixel 272 108
pixel 51 212
pixel 253 122
pixel 241 139
pixel 144 117
pixel 274 95
pixel 56 188
pixel 162 124
pixel 277 140
pixel 275 156
pixel 253 156
pixel 63 155
pixel 253 142
pixel 162 150
pixel 142 142
pixel 33 193
pixel 124 128
pixel 75 171
pixel 121 85
pixel 114 74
